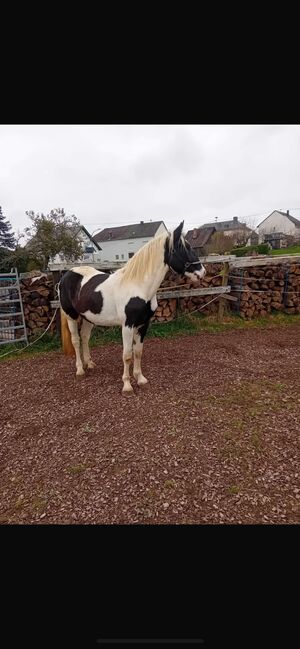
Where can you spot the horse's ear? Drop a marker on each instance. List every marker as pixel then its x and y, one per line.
pixel 177 233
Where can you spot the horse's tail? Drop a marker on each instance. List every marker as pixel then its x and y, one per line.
pixel 67 344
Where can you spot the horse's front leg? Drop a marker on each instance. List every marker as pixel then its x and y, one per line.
pixel 138 337
pixel 86 329
pixel 73 326
pixel 127 336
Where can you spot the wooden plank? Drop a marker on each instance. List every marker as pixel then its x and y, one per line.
pixel 105 265
pixel 192 292
pixel 229 297
pixel 114 265
pixel 217 259
pixel 244 262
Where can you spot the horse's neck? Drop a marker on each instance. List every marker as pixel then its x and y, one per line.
pixel 153 282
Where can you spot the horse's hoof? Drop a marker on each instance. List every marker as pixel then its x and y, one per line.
pixel 79 375
pixel 89 366
pixel 143 384
pixel 128 391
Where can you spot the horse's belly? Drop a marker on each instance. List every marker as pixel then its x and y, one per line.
pixel 103 319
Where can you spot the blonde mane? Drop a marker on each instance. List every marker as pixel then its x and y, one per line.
pixel 145 260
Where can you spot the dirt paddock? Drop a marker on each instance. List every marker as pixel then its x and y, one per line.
pixel 213 438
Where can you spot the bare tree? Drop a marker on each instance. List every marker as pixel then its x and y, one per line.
pixel 220 243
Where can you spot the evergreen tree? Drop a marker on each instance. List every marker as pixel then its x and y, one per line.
pixel 7 238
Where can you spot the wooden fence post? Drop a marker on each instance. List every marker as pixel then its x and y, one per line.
pixel 222 301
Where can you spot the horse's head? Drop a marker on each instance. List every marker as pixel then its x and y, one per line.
pixel 181 258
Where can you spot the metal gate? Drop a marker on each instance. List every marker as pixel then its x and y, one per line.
pixel 12 321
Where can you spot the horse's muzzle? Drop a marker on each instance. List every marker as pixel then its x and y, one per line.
pixel 200 273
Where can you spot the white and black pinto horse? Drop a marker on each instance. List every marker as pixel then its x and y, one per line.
pixel 126 298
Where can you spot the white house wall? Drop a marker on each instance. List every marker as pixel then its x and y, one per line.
pixel 119 250
pixel 276 222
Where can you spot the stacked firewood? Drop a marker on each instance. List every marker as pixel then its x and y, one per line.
pixel 37 291
pixel 261 289
pixel 292 297
pixel 169 307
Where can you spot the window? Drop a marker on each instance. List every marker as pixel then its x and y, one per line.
pixel 122 256
pixel 117 256
pixel 130 254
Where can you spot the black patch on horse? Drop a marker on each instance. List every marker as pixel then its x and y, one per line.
pixel 143 329
pixel 69 287
pixel 89 299
pixel 74 301
pixel 138 313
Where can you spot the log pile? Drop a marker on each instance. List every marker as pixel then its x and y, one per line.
pixel 265 289
pixel 292 298
pixel 167 308
pixel 37 291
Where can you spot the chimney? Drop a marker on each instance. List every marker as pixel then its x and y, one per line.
pixel 142 222
pixel 195 233
pixel 235 218
pixel 288 212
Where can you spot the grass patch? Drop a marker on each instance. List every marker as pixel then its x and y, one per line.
pixel 19 502
pixel 256 440
pixel 293 250
pixel 76 468
pixel 170 484
pixel 233 490
pixel 253 396
pixel 39 503
pixel 49 342
pixel 189 324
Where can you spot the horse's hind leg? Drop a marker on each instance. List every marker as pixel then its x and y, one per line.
pixel 73 326
pixel 138 337
pixel 127 335
pixel 85 332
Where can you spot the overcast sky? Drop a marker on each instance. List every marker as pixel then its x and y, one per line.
pixel 114 175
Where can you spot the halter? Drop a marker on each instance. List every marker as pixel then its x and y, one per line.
pixel 186 264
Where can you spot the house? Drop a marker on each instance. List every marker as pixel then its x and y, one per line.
pixel 279 229
pixel 239 231
pixel 198 238
pixel 253 239
pixel 120 243
pixel 91 250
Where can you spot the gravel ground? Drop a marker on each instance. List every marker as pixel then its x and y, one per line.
pixel 213 438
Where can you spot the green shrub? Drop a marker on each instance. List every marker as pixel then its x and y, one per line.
pixel 241 252
pixel 261 248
